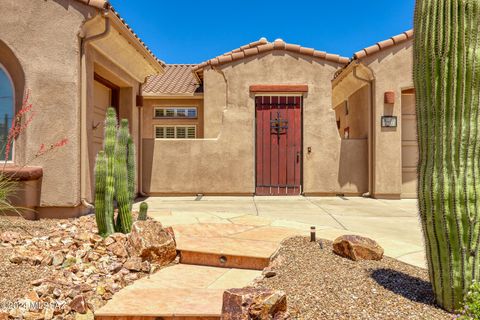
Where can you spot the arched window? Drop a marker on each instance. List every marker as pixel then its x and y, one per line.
pixel 6 110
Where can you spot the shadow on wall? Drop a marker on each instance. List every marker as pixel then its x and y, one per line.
pixel 353 166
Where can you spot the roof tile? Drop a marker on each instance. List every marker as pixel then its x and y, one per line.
pixel 262 46
pixel 382 45
pixel 178 79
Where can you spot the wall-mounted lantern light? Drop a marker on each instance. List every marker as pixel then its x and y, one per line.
pixel 389 122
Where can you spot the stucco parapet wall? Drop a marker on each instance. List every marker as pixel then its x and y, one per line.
pixel 262 46
pixel 382 45
pixel 100 4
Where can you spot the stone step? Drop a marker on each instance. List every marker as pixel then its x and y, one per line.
pixel 229 245
pixel 185 292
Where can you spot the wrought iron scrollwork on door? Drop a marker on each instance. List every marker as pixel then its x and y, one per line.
pixel 278 125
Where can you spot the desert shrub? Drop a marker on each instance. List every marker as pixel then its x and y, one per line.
pixel 471 306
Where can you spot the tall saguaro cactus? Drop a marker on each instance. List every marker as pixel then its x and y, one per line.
pixel 447 81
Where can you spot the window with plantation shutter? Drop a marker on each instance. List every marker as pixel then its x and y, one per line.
pixel 175 132
pixel 176 112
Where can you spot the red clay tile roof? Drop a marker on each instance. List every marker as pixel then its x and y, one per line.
pixel 382 45
pixel 262 46
pixel 179 79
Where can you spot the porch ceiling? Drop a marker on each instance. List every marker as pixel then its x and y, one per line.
pixel 352 78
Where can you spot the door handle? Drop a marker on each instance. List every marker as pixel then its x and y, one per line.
pixel 298 157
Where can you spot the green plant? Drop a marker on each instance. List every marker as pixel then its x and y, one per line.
pixel 114 176
pixel 124 198
pixel 447 82
pixel 142 215
pixel 471 306
pixel 110 143
pixel 131 169
pixel 100 182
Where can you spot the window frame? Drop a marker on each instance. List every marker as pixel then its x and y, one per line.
pixel 175 126
pixel 175 108
pixel 12 151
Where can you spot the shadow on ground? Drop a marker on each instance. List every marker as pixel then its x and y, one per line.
pixel 412 288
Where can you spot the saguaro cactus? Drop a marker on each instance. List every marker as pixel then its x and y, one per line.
pixel 447 81
pixel 124 198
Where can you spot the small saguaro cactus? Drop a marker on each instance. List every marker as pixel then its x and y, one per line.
pixel 100 181
pixel 142 215
pixel 124 198
pixel 447 82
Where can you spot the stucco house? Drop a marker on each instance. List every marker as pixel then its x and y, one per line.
pixel 268 118
pixel 76 57
pixel 272 118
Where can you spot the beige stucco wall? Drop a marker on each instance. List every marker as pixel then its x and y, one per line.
pixel 149 122
pixel 357 118
pixel 224 162
pixel 392 69
pixel 43 35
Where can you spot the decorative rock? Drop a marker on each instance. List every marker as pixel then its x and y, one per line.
pixel 57 258
pixel 115 267
pixel 133 264
pixel 150 241
pixel 118 249
pixel 10 236
pixel 78 304
pixel 269 273
pixel 253 303
pixel 357 248
pixel 57 293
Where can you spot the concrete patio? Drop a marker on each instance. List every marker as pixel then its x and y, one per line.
pixel 393 223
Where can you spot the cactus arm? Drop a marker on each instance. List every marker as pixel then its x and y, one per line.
pixel 131 169
pixel 109 145
pixel 100 177
pixel 447 81
pixel 124 218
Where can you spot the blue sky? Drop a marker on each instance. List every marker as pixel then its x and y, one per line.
pixel 194 31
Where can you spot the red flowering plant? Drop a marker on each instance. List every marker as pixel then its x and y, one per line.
pixel 9 182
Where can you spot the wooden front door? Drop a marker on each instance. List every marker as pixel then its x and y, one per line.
pixel 278 145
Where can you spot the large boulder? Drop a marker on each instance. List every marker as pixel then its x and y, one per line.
pixel 254 304
pixel 153 243
pixel 357 248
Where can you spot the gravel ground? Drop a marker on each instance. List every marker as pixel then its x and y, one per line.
pixel 322 285
pixel 15 279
